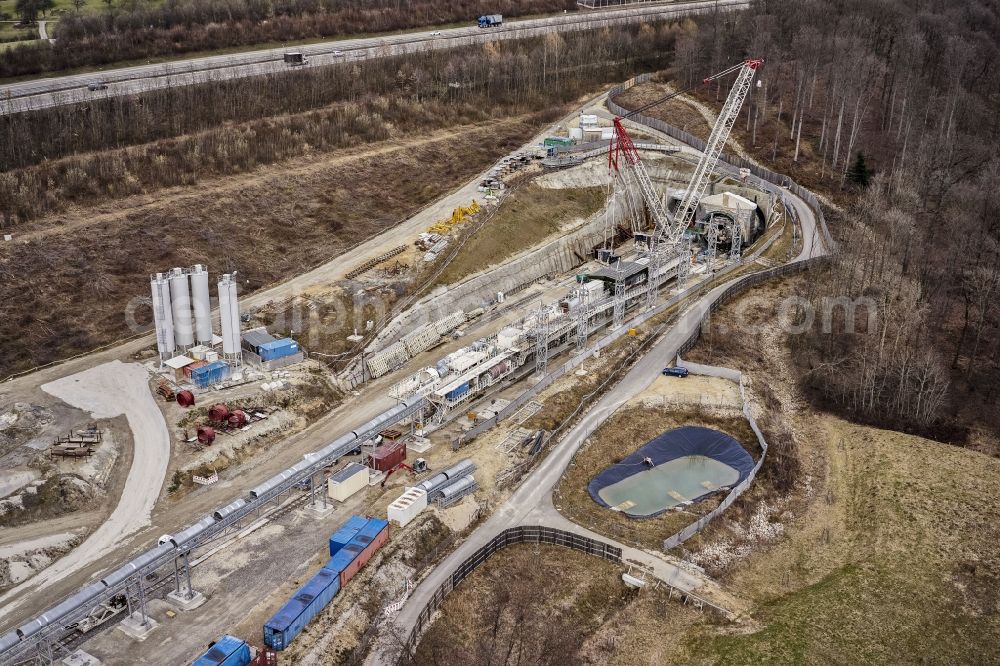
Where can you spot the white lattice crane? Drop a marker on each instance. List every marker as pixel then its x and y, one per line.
pixel 623 153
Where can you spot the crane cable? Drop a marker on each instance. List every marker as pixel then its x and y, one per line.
pixel 667 98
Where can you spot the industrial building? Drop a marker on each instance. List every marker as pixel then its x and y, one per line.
pixel 267 352
pixel 182 317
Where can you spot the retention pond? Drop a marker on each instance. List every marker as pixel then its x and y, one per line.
pixel 678 467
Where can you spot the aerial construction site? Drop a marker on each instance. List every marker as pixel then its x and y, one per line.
pixel 541 337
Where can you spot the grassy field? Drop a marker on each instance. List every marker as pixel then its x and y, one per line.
pixel 274 223
pixel 902 567
pixel 527 217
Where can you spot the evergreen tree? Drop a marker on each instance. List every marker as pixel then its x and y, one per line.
pixel 858 173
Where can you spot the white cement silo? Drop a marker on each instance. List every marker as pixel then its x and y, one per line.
pixel 201 300
pixel 180 301
pixel 229 316
pixel 163 319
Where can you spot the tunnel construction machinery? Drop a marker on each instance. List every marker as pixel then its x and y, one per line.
pixel 623 157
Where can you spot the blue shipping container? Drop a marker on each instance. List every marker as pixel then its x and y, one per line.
pixel 227 651
pixel 344 557
pixel 346 532
pixel 293 617
pixel 458 392
pixel 213 373
pixel 368 533
pixel 278 349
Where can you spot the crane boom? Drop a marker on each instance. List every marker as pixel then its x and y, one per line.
pixel 713 149
pixel 623 152
pixel 670 228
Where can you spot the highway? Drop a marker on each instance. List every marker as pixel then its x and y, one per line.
pixel 57 91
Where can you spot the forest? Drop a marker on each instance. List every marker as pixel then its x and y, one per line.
pixel 137 31
pixel 889 109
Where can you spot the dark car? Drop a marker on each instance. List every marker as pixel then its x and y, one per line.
pixel 679 371
pixel 99 85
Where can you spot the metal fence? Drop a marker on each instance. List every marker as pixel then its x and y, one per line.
pixel 509 537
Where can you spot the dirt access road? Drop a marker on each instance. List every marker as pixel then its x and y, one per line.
pixel 107 391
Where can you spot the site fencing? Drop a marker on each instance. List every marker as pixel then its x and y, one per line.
pixel 509 537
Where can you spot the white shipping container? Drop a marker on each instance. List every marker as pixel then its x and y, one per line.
pixel 347 481
pixel 406 507
pixel 463 362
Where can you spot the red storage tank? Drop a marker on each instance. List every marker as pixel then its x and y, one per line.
pixel 237 418
pixel 206 435
pixel 389 455
pixel 185 399
pixel 219 413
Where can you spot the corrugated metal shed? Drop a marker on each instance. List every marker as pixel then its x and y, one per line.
pixel 277 349
pixel 292 618
pixel 257 337
pixel 227 651
pixel 347 531
pixel 210 373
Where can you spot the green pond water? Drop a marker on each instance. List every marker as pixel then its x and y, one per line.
pixel 669 484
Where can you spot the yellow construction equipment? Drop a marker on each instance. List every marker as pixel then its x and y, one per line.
pixel 457 217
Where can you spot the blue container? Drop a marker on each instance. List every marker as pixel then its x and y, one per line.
pixel 344 557
pixel 458 392
pixel 368 533
pixel 213 373
pixel 346 532
pixel 227 651
pixel 270 351
pixel 293 617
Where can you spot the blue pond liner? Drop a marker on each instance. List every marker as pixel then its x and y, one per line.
pixel 671 445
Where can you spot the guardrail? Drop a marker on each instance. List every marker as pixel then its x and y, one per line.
pixel 509 537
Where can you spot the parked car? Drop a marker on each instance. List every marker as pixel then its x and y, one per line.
pixel 679 371
pixel 338 53
pixel 97 85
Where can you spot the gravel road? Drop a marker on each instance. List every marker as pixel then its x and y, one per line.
pixel 107 391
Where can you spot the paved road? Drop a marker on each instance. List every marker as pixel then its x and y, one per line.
pixel 531 503
pixel 56 91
